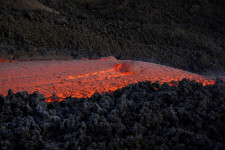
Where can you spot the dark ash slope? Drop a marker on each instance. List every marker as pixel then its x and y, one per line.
pixel 188 34
pixel 136 117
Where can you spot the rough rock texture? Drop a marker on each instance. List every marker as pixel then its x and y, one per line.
pixel 188 34
pixel 130 67
pixel 139 116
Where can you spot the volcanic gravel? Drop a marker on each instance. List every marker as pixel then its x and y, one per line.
pixel 140 116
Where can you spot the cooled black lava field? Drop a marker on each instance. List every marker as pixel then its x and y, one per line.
pixel 188 34
pixel 137 117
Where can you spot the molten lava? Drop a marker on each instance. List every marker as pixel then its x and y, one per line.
pixel 4 60
pixel 57 80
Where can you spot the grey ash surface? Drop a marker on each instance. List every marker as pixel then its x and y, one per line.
pixel 136 117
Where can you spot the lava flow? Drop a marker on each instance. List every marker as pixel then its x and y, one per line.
pixel 57 80
pixel 3 60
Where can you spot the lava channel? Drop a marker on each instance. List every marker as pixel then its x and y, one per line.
pixel 57 80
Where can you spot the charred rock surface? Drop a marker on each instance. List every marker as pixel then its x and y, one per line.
pixel 140 116
pixel 187 34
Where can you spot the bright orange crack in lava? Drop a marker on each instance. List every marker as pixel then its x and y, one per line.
pixel 57 80
pixel 3 60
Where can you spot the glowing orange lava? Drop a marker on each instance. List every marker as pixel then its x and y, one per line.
pixel 57 80
pixel 3 60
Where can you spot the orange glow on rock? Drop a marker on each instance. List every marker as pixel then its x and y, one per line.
pixel 57 80
pixel 3 60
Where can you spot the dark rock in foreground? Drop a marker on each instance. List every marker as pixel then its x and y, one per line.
pixel 140 116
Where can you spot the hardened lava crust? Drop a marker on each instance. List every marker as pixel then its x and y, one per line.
pixel 140 116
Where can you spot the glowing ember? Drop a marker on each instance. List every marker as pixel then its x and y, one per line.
pixel 82 78
pixel 3 60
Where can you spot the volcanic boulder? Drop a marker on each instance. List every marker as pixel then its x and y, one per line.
pixel 130 67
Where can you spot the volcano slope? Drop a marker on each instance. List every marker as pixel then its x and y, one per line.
pixel 190 116
pixel 188 35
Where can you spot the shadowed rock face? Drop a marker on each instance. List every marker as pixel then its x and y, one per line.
pixel 184 34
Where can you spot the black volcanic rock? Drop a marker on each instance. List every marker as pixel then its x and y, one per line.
pixel 190 116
